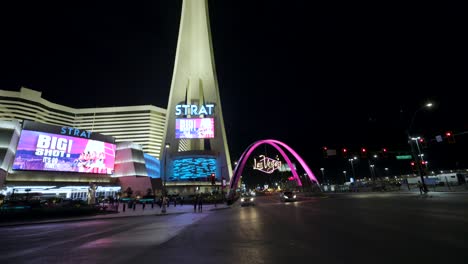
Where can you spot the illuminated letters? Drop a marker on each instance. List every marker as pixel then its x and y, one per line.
pixel 267 165
pixel 75 132
pixel 184 109
pixel 53 146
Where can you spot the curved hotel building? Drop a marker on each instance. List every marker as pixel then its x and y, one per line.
pixel 143 125
pixel 137 132
pixel 189 136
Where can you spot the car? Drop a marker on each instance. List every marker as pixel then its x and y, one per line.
pixel 247 200
pixel 288 196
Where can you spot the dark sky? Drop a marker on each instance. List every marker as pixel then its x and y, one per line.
pixel 310 75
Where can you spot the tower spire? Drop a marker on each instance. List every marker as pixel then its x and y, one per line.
pixel 194 87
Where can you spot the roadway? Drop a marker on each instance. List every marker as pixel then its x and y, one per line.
pixel 351 228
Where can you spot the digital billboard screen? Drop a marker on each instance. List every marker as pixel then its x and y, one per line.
pixel 41 151
pixel 194 128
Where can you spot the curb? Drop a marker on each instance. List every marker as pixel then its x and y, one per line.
pixel 63 220
pixel 221 208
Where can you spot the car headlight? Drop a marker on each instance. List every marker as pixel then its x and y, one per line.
pixel 251 199
pixel 242 199
pixel 294 196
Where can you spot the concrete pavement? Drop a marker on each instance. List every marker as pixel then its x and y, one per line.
pixel 139 211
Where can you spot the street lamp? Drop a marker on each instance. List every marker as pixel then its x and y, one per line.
pixel 351 161
pixel 410 141
pixel 372 171
pixel 165 177
pixel 344 172
pixel 323 174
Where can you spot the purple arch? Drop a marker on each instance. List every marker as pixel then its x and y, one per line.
pixel 243 159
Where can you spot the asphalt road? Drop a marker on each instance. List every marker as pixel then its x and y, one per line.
pixel 347 228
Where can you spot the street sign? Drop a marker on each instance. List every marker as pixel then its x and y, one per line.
pixel 403 157
pixel 439 138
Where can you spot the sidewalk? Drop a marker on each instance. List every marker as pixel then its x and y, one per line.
pixel 436 189
pixel 139 211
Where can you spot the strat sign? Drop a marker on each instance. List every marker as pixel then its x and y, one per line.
pixel 184 109
pixel 265 164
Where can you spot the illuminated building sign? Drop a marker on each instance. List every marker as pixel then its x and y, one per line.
pixel 265 164
pixel 66 131
pixel 193 169
pixel 194 128
pixel 70 131
pixel 195 110
pixel 43 151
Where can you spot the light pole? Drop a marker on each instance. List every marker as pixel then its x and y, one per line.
pixel 323 174
pixel 167 145
pixel 344 173
pixel 351 161
pixel 371 168
pixel 410 141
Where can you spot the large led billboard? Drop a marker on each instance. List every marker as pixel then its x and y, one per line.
pixel 42 151
pixel 193 169
pixel 194 128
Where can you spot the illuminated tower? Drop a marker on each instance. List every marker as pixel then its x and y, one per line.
pixel 194 94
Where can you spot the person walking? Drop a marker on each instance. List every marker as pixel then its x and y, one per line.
pixel 164 204
pixel 200 204
pixel 421 188
pixel 195 202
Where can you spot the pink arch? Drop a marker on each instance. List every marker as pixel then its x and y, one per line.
pixel 243 159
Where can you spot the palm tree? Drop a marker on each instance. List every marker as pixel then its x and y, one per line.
pixel 129 191
pixel 149 192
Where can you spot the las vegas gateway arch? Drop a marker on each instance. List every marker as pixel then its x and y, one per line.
pixel 278 145
pixel 195 145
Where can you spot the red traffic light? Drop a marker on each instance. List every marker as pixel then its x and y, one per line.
pixel 448 134
pixel 384 150
pixel 345 150
pixel 363 150
pixel 412 163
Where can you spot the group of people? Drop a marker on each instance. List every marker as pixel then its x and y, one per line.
pixel 198 201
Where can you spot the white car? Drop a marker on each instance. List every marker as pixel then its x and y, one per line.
pixel 287 196
pixel 247 200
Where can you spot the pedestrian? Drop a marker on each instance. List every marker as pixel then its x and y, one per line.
pixel 163 204
pixel 195 202
pixel 200 203
pixel 181 202
pixel 421 188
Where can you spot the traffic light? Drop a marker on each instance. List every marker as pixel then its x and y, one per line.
pixel 363 153
pixel 213 179
pixel 325 152
pixel 450 137
pixel 413 166
pixel 344 152
pixel 422 142
pixel 384 153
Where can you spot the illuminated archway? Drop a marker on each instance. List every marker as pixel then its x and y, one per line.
pixel 274 143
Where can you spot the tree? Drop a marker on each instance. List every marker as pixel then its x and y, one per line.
pixel 149 192
pixel 129 191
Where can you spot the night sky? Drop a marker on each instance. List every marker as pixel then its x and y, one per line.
pixel 310 75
